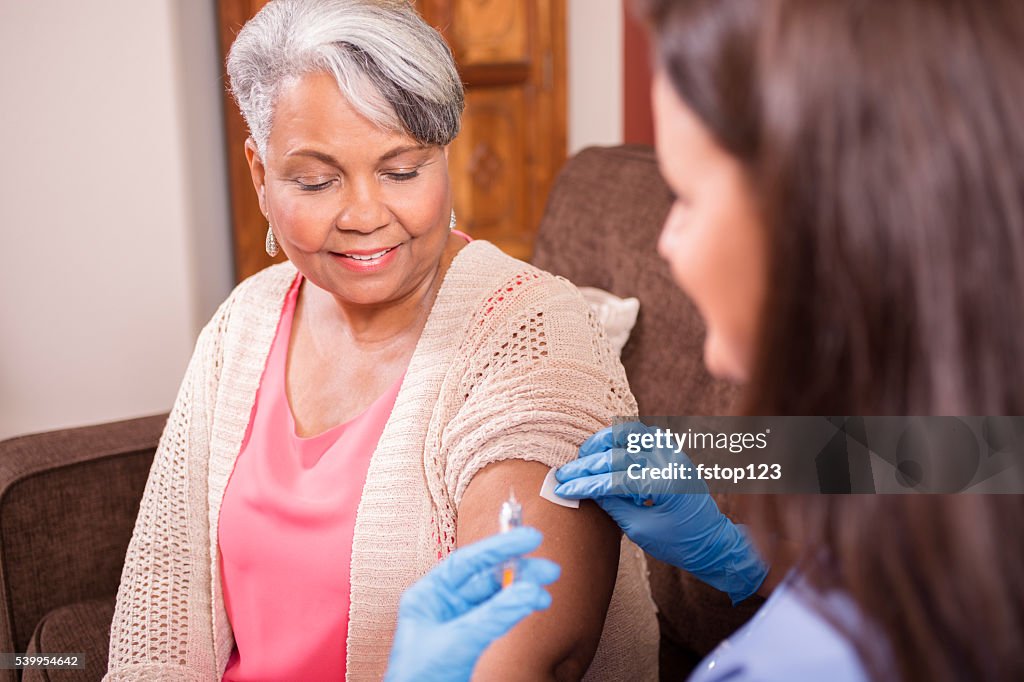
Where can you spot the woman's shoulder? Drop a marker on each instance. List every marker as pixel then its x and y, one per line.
pixel 244 322
pixel 503 285
pixel 255 293
pixel 267 283
pixel 515 313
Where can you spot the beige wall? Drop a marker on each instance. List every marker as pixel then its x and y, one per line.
pixel 114 205
pixel 595 73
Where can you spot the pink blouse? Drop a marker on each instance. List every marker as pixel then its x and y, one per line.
pixel 285 530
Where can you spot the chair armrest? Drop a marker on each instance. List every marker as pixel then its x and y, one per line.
pixel 68 502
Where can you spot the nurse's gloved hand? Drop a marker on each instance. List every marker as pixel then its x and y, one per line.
pixel 453 613
pixel 675 521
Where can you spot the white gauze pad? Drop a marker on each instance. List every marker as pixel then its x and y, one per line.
pixel 547 491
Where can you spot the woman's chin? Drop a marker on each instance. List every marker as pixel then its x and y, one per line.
pixel 722 364
pixel 367 297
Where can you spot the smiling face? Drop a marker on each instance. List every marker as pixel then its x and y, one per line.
pixel 362 212
pixel 713 239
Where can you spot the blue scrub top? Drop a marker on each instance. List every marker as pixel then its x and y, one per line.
pixel 789 640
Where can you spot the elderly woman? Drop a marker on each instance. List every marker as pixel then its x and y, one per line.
pixel 351 416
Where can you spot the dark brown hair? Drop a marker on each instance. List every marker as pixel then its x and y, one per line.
pixel 886 143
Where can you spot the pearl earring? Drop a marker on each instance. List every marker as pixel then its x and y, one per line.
pixel 451 223
pixel 272 248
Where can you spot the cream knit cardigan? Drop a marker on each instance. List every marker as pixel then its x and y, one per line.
pixel 511 364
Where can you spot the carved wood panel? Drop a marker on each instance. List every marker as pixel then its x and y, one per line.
pixel 485 163
pixel 487 31
pixel 511 56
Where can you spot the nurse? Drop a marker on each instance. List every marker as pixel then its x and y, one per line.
pixel 849 220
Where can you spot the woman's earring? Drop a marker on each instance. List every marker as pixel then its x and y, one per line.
pixel 451 223
pixel 272 248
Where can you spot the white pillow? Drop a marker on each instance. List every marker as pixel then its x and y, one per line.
pixel 617 315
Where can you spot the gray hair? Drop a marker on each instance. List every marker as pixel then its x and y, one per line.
pixel 390 65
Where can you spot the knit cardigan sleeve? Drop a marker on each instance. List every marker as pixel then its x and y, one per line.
pixel 540 377
pixel 161 628
pixel 532 377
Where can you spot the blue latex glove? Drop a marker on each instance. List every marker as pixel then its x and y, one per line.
pixel 453 613
pixel 675 521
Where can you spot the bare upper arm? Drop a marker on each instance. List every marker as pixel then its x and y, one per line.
pixel 559 643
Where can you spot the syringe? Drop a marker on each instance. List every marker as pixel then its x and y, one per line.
pixel 511 516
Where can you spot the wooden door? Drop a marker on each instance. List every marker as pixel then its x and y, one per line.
pixel 511 56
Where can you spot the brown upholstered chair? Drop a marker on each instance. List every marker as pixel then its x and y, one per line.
pixel 68 499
